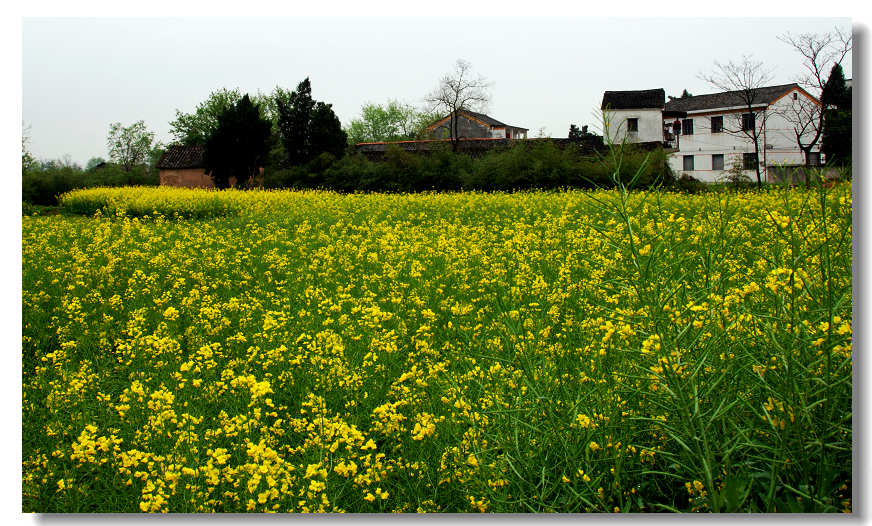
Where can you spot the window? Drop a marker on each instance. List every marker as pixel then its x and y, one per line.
pixel 749 161
pixel 717 161
pixel 795 95
pixel 748 121
pixel 814 158
pixel 688 162
pixel 687 127
pixel 632 125
pixel 718 124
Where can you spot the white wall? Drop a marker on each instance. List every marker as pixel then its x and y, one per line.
pixel 650 125
pixel 777 143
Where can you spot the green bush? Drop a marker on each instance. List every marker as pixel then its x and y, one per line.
pixel 43 185
pixel 689 185
pixel 522 166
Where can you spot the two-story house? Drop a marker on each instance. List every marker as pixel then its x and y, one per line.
pixel 708 134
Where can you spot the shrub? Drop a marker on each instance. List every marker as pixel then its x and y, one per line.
pixel 524 165
pixel 42 186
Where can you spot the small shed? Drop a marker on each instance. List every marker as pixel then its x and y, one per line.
pixel 182 166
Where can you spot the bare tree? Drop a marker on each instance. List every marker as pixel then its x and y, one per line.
pixel 744 81
pixel 458 91
pixel 820 53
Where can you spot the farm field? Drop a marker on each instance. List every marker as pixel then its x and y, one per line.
pixel 578 351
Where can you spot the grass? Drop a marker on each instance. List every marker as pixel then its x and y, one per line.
pixel 607 351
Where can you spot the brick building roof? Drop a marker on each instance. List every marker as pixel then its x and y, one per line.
pixel 177 156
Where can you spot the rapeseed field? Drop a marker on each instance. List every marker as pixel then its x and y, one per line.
pixel 279 351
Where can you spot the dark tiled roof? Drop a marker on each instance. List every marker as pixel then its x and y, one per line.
pixel 484 118
pixel 487 119
pixel 628 100
pixel 177 156
pixel 728 99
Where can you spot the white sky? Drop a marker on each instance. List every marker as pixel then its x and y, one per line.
pixel 81 74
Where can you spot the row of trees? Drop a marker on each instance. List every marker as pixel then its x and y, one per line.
pixel 520 166
pixel 242 134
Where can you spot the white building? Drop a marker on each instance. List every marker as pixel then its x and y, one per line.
pixel 708 134
pixel 636 116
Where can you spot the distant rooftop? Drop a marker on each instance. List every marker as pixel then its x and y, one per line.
pixel 487 119
pixel 178 157
pixel 727 99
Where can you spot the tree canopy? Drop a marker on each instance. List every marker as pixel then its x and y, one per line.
pixel 131 145
pixel 307 127
pixel 194 128
pixel 393 121
pixel 239 144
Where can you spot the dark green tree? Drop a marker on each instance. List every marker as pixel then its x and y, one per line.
pixel 238 146
pixel 325 131
pixel 574 132
pixel 307 127
pixel 295 113
pixel 836 99
pixel 836 92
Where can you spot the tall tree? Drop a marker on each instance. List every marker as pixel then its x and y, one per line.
pixel 837 130
pixel 238 145
pixel 820 52
pixel 744 81
pixel 307 127
pixel 325 131
pixel 129 146
pixel 295 113
pixel 458 91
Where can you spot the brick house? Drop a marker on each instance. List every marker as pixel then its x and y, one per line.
pixel 472 125
pixel 183 166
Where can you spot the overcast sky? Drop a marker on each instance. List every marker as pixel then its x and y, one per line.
pixel 80 75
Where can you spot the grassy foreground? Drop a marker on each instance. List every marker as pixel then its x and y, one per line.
pixel 309 351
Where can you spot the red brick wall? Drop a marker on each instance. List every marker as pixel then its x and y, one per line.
pixel 195 178
pixel 186 178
